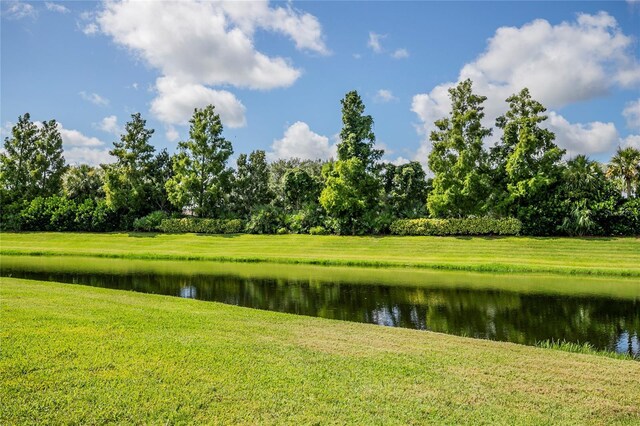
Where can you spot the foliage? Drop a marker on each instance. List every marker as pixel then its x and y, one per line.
pixel 350 196
pixel 265 220
pixel 161 172
pixel 150 222
pixel 624 167
pixel 200 179
pixel 318 230
pixel 278 169
pixel 300 188
pixel 127 184
pixel 250 183
pixel 309 216
pixel 356 136
pixel 526 159
pixel 201 226
pixel 83 182
pixel 32 163
pixel 406 190
pixel 466 226
pixel 458 159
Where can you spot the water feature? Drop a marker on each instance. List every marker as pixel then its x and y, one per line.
pixel 521 309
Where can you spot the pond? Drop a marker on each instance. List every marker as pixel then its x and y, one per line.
pixel 524 309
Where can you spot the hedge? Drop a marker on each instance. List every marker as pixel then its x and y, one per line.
pixel 202 226
pixel 469 226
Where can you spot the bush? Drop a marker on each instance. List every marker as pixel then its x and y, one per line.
pixel 150 222
pixel 267 220
pixel 468 226
pixel 49 214
pixel 318 230
pixel 201 226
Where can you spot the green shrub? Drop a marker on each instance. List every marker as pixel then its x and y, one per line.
pixel 318 230
pixel 150 222
pixel 282 231
pixel 201 226
pixel 266 220
pixel 468 226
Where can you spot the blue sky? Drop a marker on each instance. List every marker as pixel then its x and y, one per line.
pixel 277 71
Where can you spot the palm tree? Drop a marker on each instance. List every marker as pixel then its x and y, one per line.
pixel 625 166
pixel 583 177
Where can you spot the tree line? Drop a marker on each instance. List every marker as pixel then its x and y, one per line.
pixel 522 176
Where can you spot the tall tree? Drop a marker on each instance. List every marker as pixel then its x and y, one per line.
pixel 161 172
pixel 406 190
pixel 300 188
pixel 17 160
pixel 128 180
pixel 352 191
pixel 251 183
pixel 527 160
pixel 625 168
pixel 48 162
pixel 356 137
pixel 458 159
pixel 201 178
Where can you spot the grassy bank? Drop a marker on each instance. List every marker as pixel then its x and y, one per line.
pixel 74 354
pixel 593 256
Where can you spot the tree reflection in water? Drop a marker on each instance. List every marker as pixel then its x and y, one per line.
pixel 606 323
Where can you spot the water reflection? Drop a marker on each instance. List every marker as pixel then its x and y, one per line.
pixel 606 323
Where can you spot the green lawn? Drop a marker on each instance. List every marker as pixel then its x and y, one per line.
pixel 74 354
pixel 598 256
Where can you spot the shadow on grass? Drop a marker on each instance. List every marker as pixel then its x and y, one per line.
pixel 143 234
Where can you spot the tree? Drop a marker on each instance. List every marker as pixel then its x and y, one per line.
pixel 625 168
pixel 17 160
pixel 161 172
pixel 251 183
pixel 527 165
pixel 406 190
pixel 200 178
pixel 278 171
pixel 128 181
pixel 347 197
pixel 356 137
pixel 48 162
pixel 300 188
pixel 351 194
pixel 458 159
pixel 83 182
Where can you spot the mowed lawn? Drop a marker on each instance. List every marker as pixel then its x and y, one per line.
pixel 602 256
pixel 74 354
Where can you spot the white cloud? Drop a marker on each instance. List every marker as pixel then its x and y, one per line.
pixel 560 64
pixel 384 95
pixel 400 54
pixel 299 141
pixel 631 113
pixel 175 103
pixel 631 141
pixel 82 149
pixel 578 138
pixel 19 10
pixel 90 29
pixel 171 133
pixel 374 41
pixel 400 161
pixel 94 98
pixel 55 7
pixel 198 45
pixel 109 124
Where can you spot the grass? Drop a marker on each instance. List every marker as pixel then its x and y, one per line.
pixel 579 256
pixel 580 348
pixel 73 354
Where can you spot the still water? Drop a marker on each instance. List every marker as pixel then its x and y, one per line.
pixel 520 309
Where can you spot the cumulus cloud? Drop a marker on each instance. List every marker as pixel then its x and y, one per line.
pixel 109 124
pixel 560 64
pixel 55 7
pixel 94 98
pixel 631 141
pixel 400 54
pixel 374 41
pixel 384 95
pixel 82 149
pixel 300 142
pixel 198 45
pixel 631 113
pixel 19 10
pixel 171 133
pixel 175 103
